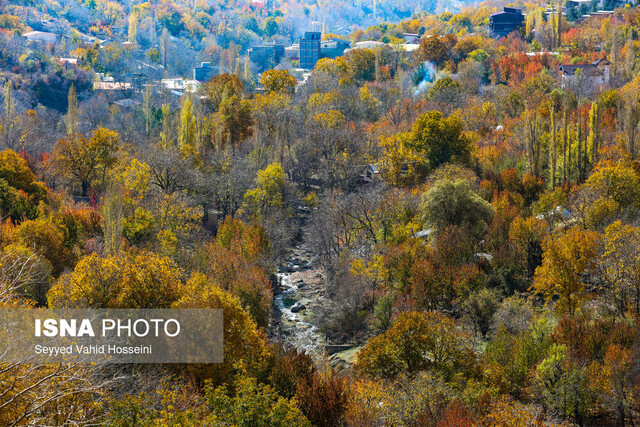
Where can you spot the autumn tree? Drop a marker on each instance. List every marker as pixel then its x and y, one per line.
pixel 252 404
pixel 563 386
pixel 435 49
pixel 237 262
pixel 27 273
pixel 278 81
pixel 417 342
pixel 527 234
pixel 323 398
pixel 446 93
pixel 479 309
pixel 42 394
pixel 48 239
pixel 593 142
pixel 620 267
pixel 567 258
pixel 9 118
pixel 421 399
pixel 187 135
pixel 142 280
pixel 169 171
pixel 20 193
pixel 439 140
pixel 614 381
pixel 270 192
pixel 232 124
pixel 456 203
pixel 82 160
pixel 71 119
pixel 221 88
pixel 14 204
pixel 243 342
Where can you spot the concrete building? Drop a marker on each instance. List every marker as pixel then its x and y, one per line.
pixel 205 72
pixel 68 61
pixel 266 57
pixel 109 86
pixel 411 38
pixel 333 48
pixel 310 50
pixel 406 47
pixel 502 23
pixel 293 51
pixel 179 86
pixel 368 44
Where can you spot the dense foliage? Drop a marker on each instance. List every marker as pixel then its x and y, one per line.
pixel 472 214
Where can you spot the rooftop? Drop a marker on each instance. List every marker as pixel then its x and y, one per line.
pixel 589 69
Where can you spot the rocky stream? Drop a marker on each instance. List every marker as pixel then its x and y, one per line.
pixel 301 292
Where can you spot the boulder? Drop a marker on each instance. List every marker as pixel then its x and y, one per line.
pixel 298 307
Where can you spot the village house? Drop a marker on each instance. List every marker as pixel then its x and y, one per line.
pixel 591 76
pixel 502 23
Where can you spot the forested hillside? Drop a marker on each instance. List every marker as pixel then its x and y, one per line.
pixel 441 236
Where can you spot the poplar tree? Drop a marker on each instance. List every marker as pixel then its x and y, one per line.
pixel 530 24
pixel 631 56
pixel 71 119
pixel 247 69
pixel 614 51
pixel 187 136
pixel 165 135
pixel 9 114
pixel 558 28
pixel 146 107
pixel 565 129
pixel 133 27
pixel 553 24
pixel 552 147
pixel 533 143
pixel 593 132
pixel 579 142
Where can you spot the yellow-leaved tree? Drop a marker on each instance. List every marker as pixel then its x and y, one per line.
pixel 417 341
pixel 83 160
pixel 244 344
pixel 269 194
pixel 567 258
pixel 125 280
pixel 43 394
pixel 278 81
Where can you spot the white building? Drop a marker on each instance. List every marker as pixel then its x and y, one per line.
pixel 180 84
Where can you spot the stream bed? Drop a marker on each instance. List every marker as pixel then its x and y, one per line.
pixel 300 296
pixel 301 290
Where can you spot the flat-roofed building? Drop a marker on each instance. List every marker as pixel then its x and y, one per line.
pixel 333 48
pixel 205 72
pixel 310 50
pixel 266 57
